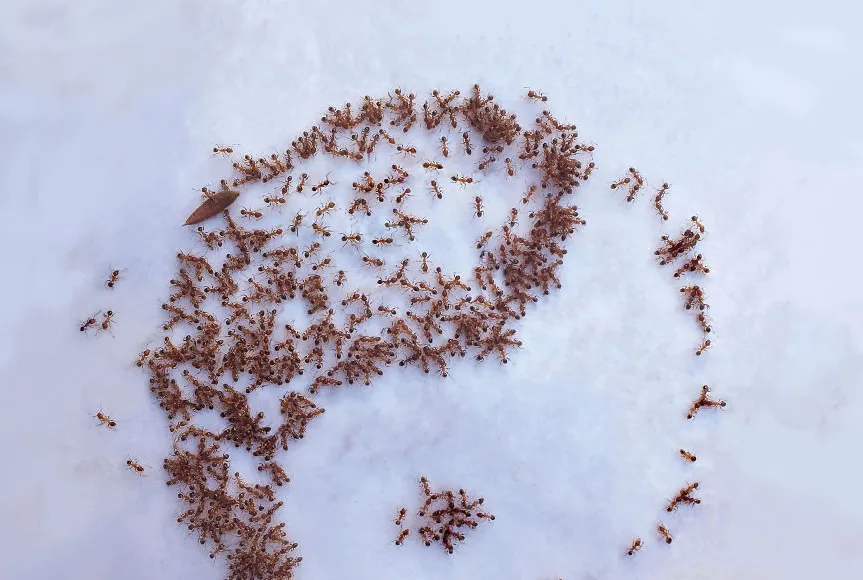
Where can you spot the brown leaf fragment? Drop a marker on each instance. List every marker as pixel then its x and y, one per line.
pixel 213 206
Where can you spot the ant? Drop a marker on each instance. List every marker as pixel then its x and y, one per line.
pixel 340 278
pixel 536 96
pixel 106 323
pixel 142 357
pixel 466 138
pixel 401 197
pixel 295 225
pixel 402 536
pixel 425 267
pixel 513 217
pixel 354 239
pixel 303 178
pixel 462 180
pixel 115 276
pixel 529 194
pixel 697 223
pixel 106 420
pixel 663 531
pixel 382 241
pixel 89 322
pixel 432 165
pixel 377 262
pixel 407 150
pixel 484 239
pixel 687 455
pixel 486 162
pixel 509 168
pixel 704 346
pixel 443 147
pixel 134 465
pixel 321 230
pixel 321 186
pixel 251 214
pixel 402 513
pixel 477 204
pixel 435 189
pixel 325 209
pixel 636 546
pixel 224 150
pixel 274 202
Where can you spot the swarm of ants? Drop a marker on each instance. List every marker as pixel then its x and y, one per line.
pixel 224 337
pixel 444 517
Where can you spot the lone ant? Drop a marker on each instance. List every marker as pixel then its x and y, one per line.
pixel 636 546
pixel 106 323
pixel 106 420
pixel 223 150
pixel 536 96
pixel 134 465
pixel 113 279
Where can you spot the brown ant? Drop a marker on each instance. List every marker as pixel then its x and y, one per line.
pixel 106 420
pixel 432 165
pixel 295 224
pixel 382 241
pixel 697 223
pixel 536 96
pixel 404 534
pixel 443 147
pixel 89 322
pixel 376 262
pixel 251 214
pixel 115 276
pixel 663 532
pixel 303 178
pixel 531 190
pixel 704 346
pixel 636 546
pixel 354 239
pixel 321 186
pixel 484 239
pixel 477 204
pixel 326 208
pixel 435 189
pixel 425 267
pixel 325 232
pixel 510 170
pixel 274 202
pixel 466 138
pixel 134 465
pixel 402 513
pixel 687 455
pixel 462 180
pixel 106 323
pixel 407 150
pixel 401 197
pixel 142 357
pixel 223 150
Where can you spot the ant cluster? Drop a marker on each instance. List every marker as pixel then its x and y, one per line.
pixel 442 515
pixel 225 337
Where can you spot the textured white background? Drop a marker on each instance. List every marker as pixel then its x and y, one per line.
pixel 749 109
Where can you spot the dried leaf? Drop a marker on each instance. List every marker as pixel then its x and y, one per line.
pixel 213 206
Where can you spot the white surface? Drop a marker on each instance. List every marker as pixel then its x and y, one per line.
pixel 749 110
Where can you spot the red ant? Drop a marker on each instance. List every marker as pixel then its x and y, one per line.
pixel 687 455
pixel 663 531
pixel 303 178
pixel 432 165
pixel 382 241
pixel 466 138
pixel 443 147
pixel 536 96
pixel 636 546
pixel 462 180
pixel 435 189
pixel 115 276
pixel 509 168
pixel 134 466
pixel 106 420
pixel 407 150
pixel 401 197
pixel 106 323
pixel 477 204
pixel 223 150
pixel 425 267
pixel 251 214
